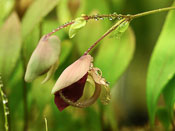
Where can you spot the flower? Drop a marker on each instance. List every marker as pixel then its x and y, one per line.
pixel 44 58
pixel 70 85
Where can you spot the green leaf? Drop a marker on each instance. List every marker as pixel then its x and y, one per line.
pixel 5 8
pixel 34 15
pixel 121 29
pixel 66 47
pixel 161 67
pixel 62 8
pixel 169 96
pixel 79 23
pixel 30 43
pixel 41 93
pixel 164 118
pixel 15 87
pixel 90 34
pixel 10 45
pixel 120 53
pixel 48 25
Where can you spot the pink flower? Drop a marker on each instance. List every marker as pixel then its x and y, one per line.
pixel 70 85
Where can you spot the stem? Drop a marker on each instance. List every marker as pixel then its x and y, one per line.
pixel 59 28
pixel 25 127
pixel 6 110
pixel 106 33
pixel 25 106
pixel 85 103
pixel 151 12
pixel 111 17
pixel 45 120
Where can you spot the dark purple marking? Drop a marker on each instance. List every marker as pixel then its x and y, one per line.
pixel 72 92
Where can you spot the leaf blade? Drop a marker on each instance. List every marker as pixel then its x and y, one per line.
pixel 10 45
pixel 161 67
pixel 120 52
pixel 37 11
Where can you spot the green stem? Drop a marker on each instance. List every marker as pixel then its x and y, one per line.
pixel 112 17
pixel 151 12
pixel 6 110
pixel 25 104
pixel 45 119
pixel 106 33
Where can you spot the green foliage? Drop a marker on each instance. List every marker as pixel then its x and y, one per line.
pixel 5 8
pixel 169 96
pixel 10 45
pixel 79 23
pixel 114 57
pixel 161 68
pixel 163 116
pixel 29 104
pixel 120 29
pixel 36 12
pixel 86 37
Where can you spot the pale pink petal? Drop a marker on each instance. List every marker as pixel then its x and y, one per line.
pixel 44 56
pixel 73 73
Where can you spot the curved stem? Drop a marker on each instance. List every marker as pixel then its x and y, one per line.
pixel 151 12
pixel 107 33
pixel 85 103
pixel 59 28
pixel 112 17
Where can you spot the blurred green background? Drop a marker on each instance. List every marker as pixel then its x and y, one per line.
pixel 23 22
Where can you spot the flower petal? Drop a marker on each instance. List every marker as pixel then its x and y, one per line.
pixel 72 92
pixel 50 72
pixel 97 76
pixel 73 73
pixel 105 95
pixel 44 56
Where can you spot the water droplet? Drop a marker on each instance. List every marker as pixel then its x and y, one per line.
pixel 110 18
pixel 101 18
pixel 6 111
pixel 114 13
pixel 5 101
pixel 96 19
pixel 83 15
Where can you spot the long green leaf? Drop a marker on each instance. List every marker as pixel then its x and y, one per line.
pixel 10 45
pixel 162 64
pixel 35 13
pixel 169 96
pixel 5 8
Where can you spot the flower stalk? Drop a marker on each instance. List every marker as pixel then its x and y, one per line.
pixel 113 16
pixel 6 109
pixel 106 33
pixel 151 12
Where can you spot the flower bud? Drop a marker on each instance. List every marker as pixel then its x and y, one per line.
pixel 43 58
